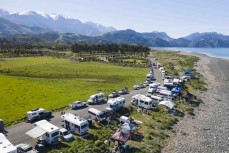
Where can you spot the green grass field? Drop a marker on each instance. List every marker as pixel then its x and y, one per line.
pixel 51 83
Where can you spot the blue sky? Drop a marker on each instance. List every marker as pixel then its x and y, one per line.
pixel 175 17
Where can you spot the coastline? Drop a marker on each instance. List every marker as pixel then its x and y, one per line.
pixel 207 130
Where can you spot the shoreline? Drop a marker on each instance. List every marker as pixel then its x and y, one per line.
pixel 207 130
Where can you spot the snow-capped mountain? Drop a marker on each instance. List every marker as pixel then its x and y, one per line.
pixel 55 22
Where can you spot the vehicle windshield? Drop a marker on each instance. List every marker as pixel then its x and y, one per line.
pixel 65 133
pixel 28 149
pixel 102 116
pixel 111 106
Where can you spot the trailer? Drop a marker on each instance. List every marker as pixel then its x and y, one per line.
pixel 142 101
pixel 49 132
pixel 115 104
pixel 37 114
pixel 74 123
pixel 97 98
pixel 6 146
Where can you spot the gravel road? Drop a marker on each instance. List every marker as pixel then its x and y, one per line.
pixel 16 134
pixel 207 131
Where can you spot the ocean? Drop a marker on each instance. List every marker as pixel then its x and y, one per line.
pixel 214 52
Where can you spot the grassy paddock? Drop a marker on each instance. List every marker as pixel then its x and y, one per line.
pixel 30 82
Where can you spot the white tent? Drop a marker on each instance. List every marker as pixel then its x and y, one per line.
pixel 169 104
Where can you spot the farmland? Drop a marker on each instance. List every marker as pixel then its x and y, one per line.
pixel 51 83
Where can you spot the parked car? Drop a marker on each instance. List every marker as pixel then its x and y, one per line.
pixel 142 85
pixel 123 91
pixel 25 148
pixel 146 83
pixel 136 87
pixel 77 104
pixel 114 94
pixel 65 135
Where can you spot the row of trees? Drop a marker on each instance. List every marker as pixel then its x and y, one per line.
pixel 109 48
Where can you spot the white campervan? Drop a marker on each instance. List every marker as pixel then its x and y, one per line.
pixel 154 85
pixel 96 114
pixel 49 132
pixel 142 101
pixel 115 104
pixel 159 88
pixel 166 94
pixel 6 146
pixel 156 99
pixel 74 123
pixel 97 98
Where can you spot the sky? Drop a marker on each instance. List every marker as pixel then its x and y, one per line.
pixel 177 18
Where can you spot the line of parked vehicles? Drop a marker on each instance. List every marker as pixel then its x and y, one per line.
pixel 49 134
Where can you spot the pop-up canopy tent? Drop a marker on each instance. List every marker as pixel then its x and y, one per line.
pixel 120 137
pixel 176 89
pixel 168 104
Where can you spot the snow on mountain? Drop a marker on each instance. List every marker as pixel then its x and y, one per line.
pixel 56 22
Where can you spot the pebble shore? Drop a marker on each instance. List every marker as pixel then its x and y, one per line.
pixel 208 130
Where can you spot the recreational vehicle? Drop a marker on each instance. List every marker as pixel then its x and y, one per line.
pixel 150 92
pixel 97 114
pixel 159 88
pixel 97 98
pixel 49 132
pixel 6 146
pixel 74 123
pixel 115 104
pixel 166 94
pixel 142 101
pixel 156 99
pixel 154 85
pixel 38 114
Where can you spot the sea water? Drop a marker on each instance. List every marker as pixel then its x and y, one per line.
pixel 214 52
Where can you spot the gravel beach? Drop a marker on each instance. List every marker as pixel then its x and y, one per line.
pixel 208 130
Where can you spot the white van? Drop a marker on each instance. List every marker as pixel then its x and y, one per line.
pixel 156 99
pixel 154 85
pixel 159 88
pixel 150 92
pixel 96 114
pixel 97 98
pixel 166 94
pixel 74 123
pixel 142 101
pixel 115 104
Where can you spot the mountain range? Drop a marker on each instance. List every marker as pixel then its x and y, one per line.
pixel 34 27
pixel 56 22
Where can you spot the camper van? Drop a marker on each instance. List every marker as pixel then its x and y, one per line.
pixel 142 101
pixel 97 98
pixel 166 94
pixel 49 132
pixel 6 146
pixel 74 123
pixel 97 114
pixel 159 88
pixel 115 104
pixel 38 114
pixel 154 85
pixel 156 99
pixel 150 92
